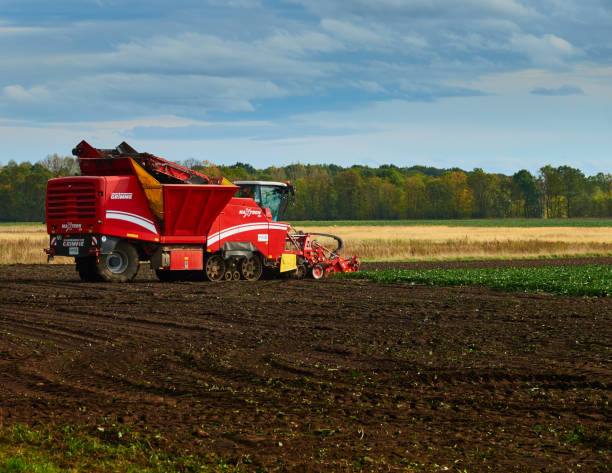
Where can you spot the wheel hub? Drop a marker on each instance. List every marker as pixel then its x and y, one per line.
pixel 116 262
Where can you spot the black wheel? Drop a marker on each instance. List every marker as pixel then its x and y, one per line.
pixel 121 265
pixel 317 272
pixel 86 267
pixel 214 268
pixel 251 268
pixel 300 272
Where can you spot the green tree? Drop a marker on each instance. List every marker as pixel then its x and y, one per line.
pixel 573 188
pixel 484 189
pixel 349 202
pixel 415 202
pixel 61 166
pixel 550 184
pixel 315 199
pixel 526 192
pixel 22 192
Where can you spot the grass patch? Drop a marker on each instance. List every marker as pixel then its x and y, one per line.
pixel 499 222
pixel 21 224
pixel 61 449
pixel 593 280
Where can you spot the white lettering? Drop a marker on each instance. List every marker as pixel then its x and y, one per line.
pixel 248 212
pixel 71 226
pixel 121 195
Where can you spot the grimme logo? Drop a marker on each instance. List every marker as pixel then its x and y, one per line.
pixel 71 226
pixel 121 195
pixel 249 212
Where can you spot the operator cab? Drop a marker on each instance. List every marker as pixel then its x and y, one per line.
pixel 275 196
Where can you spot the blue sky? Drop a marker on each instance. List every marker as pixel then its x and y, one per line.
pixel 497 84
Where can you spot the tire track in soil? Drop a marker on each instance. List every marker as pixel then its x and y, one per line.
pixel 348 368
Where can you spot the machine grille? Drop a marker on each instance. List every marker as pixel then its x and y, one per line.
pixel 74 200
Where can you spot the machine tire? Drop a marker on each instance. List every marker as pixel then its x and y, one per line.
pixel 119 266
pixel 317 271
pixel 299 273
pixel 86 267
pixel 214 268
pixel 251 268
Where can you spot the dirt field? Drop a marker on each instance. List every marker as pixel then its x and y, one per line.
pixel 323 376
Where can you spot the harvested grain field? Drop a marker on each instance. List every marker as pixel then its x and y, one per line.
pixel 25 243
pixel 331 375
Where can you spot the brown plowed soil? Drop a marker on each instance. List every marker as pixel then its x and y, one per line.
pixel 330 375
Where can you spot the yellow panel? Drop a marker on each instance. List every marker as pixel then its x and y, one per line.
pixel 152 189
pixel 226 182
pixel 288 262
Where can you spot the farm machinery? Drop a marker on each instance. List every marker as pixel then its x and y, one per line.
pixel 127 207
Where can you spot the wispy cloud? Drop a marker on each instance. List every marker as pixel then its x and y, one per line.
pixel 351 32
pixel 563 90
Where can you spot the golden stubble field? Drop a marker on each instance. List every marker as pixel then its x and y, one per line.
pixel 445 242
pixel 25 243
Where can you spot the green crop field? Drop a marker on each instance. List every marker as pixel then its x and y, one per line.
pixel 21 224
pixel 511 222
pixel 116 449
pixel 590 280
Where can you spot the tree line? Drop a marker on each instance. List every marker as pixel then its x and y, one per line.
pixel 332 192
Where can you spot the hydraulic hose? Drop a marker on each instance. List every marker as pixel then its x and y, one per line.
pixel 337 238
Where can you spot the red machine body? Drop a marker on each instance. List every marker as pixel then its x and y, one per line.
pixel 135 206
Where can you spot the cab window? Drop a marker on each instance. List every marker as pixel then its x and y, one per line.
pixel 271 197
pixel 249 191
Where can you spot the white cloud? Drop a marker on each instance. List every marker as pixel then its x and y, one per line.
pixel 595 82
pixel 16 30
pixel 309 41
pixel 350 32
pixel 548 49
pixel 179 92
pixel 20 94
pixel 236 3
pixel 163 121
pixel 506 7
pixel 416 41
pixel 370 86
pixel 196 53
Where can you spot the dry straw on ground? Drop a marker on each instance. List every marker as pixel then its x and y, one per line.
pixel 25 244
pixel 427 242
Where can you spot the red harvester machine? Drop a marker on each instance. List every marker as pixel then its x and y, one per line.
pixel 128 207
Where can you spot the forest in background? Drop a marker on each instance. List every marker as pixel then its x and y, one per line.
pixel 332 192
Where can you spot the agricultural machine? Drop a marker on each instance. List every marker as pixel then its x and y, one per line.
pixel 128 207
